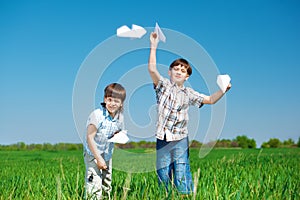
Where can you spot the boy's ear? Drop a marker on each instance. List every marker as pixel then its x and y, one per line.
pixel 186 78
pixel 169 72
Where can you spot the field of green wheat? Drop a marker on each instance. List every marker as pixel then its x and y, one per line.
pixel 222 174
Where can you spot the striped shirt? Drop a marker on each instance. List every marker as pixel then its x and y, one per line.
pixel 172 106
pixel 106 127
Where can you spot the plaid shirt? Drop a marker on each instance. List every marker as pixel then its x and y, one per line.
pixel 106 126
pixel 172 105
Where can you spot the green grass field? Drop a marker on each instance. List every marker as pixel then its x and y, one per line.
pixel 223 174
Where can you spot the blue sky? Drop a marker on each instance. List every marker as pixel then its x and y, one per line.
pixel 45 43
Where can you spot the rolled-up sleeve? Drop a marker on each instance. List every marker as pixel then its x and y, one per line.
pixel 195 98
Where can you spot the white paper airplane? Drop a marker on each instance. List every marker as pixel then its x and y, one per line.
pixel 159 33
pixel 120 137
pixel 135 31
pixel 223 82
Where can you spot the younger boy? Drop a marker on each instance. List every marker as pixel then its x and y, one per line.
pixel 102 124
pixel 173 100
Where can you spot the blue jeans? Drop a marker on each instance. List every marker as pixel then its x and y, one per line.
pixel 172 163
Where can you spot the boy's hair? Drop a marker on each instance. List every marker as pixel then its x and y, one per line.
pixel 183 62
pixel 115 90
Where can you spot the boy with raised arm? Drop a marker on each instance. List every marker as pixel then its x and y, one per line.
pixel 173 101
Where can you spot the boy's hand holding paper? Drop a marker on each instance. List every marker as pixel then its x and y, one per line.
pixel 120 137
pixel 157 36
pixel 223 82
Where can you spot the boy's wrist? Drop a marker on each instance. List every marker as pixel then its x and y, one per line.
pixel 153 46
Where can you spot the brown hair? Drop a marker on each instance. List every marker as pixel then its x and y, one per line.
pixel 183 62
pixel 115 90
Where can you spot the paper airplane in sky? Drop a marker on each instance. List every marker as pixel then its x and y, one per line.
pixel 121 137
pixel 223 82
pixel 135 32
pixel 159 33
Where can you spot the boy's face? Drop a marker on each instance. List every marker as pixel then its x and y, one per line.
pixel 113 105
pixel 178 74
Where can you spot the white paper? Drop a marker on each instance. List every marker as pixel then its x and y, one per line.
pixel 135 32
pixel 223 82
pixel 120 137
pixel 159 33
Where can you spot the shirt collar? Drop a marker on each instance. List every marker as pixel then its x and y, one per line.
pixel 173 84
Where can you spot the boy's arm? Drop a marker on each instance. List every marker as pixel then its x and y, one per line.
pixel 214 98
pixel 91 132
pixel 155 76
